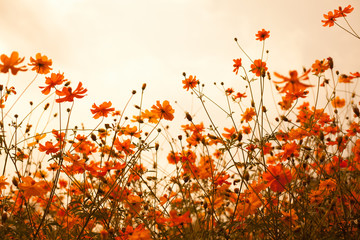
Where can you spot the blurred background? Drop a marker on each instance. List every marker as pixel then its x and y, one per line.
pixel 114 46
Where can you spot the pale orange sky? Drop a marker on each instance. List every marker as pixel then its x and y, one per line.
pixel 115 46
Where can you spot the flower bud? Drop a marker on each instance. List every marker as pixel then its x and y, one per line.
pixel 188 116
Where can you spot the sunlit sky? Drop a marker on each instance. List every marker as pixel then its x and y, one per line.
pixel 113 46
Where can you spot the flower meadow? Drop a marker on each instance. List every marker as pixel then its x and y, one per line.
pixel 295 175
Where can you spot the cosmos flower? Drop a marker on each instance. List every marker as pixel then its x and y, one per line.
pixel 262 35
pixel 41 64
pixel 9 63
pixel 292 83
pixel 102 110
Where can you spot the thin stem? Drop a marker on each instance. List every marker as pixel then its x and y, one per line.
pixel 21 94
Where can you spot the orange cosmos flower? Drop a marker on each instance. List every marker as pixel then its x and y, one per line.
pixel 240 95
pixel 338 102
pixel 289 218
pixel 262 35
pixel 289 150
pixel 177 220
pixel 229 91
pixel 10 63
pixel 246 129
pixel 132 131
pixel 173 157
pixel 277 177
pixel 259 67
pixel 163 111
pixel 320 67
pixel 21 155
pixel 355 75
pixel 102 110
pixel 69 95
pixel 3 182
pixel 53 167
pixel 125 146
pixel 52 81
pixel 151 116
pixel 248 114
pixel 343 78
pixel 37 137
pixel 328 185
pixel 139 233
pixel 41 64
pixel 231 133
pixel 237 65
pixel 49 147
pixel 343 12
pixel 31 187
pixel 249 205
pixel 190 82
pixel 293 84
pixel 330 18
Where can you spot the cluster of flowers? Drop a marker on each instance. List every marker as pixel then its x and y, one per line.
pixel 294 178
pixel 331 17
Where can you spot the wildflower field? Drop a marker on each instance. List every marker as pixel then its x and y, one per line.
pixel 291 174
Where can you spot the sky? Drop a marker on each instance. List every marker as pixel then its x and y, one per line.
pixel 114 46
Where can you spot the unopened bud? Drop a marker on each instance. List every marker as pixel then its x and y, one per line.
pixel 4 217
pixel 15 182
pixel 246 176
pixel 356 111
pixel 331 62
pixel 188 116
pixel 93 137
pixel 239 137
